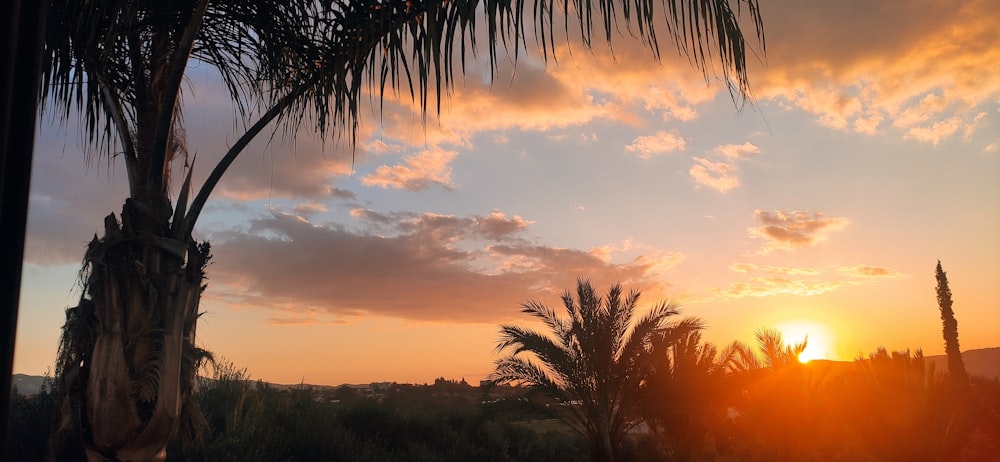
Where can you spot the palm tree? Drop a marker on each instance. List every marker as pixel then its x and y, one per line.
pixel 127 359
pixel 593 361
pixel 774 353
pixel 685 400
pixel 773 406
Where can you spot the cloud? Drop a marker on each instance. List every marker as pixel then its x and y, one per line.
pixel 407 265
pixel 791 230
pixel 290 321
pixel 68 201
pixel 737 151
pixel 721 175
pixel 899 67
pixel 306 211
pixel 865 271
pixel 624 85
pixel 647 147
pixel 922 66
pixel 929 106
pixel 971 128
pixel 418 171
pixel 379 146
pixel 787 271
pixel 344 194
pixel 868 124
pixel 781 280
pixel 770 286
pixel 741 267
pixel 537 99
pixel 277 164
pixel 497 227
pixel 297 314
pixel 935 132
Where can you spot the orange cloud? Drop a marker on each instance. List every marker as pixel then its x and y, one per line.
pixel 379 146
pixel 307 175
pixel 866 271
pixel 418 171
pixel 786 271
pixel 791 230
pixel 781 281
pixel 308 210
pixel 721 175
pixel 740 267
pixel 288 321
pixel 463 269
pixel 857 64
pixel 770 286
pixel 935 132
pixel 496 226
pixel 624 84
pixel 659 143
pixel 922 71
pixel 737 151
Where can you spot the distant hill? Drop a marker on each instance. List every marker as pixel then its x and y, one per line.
pixel 984 362
pixel 27 384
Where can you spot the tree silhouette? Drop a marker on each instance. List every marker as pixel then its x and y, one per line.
pixel 127 358
pixel 592 361
pixel 771 399
pixel 956 367
pixel 686 397
pixel 773 352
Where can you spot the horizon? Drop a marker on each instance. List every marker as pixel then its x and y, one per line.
pixel 478 383
pixel 870 152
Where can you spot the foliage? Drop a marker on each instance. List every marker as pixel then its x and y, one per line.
pixel 30 421
pixel 592 362
pixel 882 406
pixel 772 353
pixel 686 398
pixel 408 423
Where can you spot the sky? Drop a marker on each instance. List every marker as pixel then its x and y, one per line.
pixel 869 151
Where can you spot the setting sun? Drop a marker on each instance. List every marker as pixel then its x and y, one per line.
pixel 820 340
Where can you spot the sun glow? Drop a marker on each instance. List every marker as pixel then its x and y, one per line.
pixel 820 339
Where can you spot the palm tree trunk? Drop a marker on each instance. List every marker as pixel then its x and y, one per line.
pixel 135 324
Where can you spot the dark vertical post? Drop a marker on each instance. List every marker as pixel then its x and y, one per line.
pixel 21 35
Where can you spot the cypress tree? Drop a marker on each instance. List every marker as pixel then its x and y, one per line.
pixel 956 368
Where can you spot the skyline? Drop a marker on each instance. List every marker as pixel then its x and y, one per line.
pixel 870 151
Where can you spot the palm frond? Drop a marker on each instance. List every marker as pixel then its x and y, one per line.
pixel 740 357
pixel 651 325
pixel 548 316
pixel 522 371
pixel 520 340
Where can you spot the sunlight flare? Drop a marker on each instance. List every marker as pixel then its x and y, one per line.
pixel 820 339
